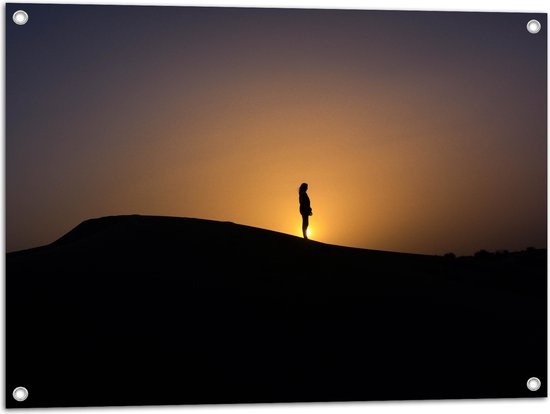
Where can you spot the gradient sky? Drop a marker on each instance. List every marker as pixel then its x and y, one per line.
pixel 416 131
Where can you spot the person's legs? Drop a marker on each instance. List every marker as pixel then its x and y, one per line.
pixel 305 223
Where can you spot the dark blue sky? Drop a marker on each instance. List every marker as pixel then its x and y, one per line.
pixel 417 131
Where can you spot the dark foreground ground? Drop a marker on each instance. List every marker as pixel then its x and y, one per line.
pixel 139 310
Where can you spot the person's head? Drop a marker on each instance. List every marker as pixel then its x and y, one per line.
pixel 303 188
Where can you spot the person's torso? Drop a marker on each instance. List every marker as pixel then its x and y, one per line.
pixel 304 202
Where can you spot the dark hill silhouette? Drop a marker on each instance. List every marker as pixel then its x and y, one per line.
pixel 169 310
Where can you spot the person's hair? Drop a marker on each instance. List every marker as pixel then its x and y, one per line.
pixel 303 188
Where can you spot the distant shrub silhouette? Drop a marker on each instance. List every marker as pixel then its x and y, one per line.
pixel 483 254
pixel 449 256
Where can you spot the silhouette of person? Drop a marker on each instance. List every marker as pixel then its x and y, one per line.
pixel 305 208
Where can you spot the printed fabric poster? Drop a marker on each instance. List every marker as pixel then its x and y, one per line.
pixel 229 205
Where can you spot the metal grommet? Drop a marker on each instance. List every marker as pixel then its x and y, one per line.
pixel 533 26
pixel 20 17
pixel 20 394
pixel 533 384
